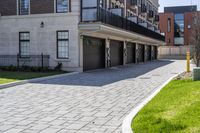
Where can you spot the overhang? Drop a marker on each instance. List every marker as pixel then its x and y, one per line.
pixel 108 30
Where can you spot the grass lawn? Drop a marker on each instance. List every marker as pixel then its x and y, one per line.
pixel 8 76
pixel 176 109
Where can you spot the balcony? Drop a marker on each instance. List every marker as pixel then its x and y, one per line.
pixel 133 19
pixel 134 2
pixel 108 18
pixel 143 8
pixel 151 14
pixel 117 11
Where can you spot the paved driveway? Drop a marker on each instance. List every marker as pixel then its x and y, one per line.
pixel 95 101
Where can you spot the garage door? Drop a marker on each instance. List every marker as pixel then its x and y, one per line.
pixel 116 53
pixel 93 53
pixel 140 53
pixel 130 53
pixel 148 53
pixel 154 52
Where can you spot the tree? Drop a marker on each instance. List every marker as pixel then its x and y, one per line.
pixel 195 38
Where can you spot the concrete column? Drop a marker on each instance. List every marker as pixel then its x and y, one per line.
pixel 107 53
pixel 125 53
pixel 81 52
pixel 136 52
pixel 156 47
pixel 125 7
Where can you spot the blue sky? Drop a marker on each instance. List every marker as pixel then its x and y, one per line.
pixel 164 3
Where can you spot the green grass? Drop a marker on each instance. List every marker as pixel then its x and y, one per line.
pixel 9 76
pixel 176 109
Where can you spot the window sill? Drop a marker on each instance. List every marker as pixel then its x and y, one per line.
pixel 63 60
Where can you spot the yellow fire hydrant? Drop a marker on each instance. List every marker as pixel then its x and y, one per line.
pixel 188 62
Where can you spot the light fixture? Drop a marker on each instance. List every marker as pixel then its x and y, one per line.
pixel 42 24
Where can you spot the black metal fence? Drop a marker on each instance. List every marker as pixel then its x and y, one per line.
pixel 108 17
pixel 32 60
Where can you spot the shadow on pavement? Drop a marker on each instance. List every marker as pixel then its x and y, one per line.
pixel 107 76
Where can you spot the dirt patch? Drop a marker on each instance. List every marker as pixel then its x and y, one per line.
pixel 184 76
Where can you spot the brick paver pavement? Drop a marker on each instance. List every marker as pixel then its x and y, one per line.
pixel 89 102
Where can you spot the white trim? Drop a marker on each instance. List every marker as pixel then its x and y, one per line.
pixel 107 29
pixel 17 2
pixel 55 6
pixel 40 15
pixel 127 122
pixel 29 7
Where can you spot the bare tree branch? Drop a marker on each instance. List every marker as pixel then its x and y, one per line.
pixel 195 38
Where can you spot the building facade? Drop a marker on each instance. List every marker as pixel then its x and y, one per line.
pixel 176 23
pixel 79 34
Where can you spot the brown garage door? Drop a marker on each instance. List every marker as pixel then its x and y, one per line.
pixel 130 53
pixel 93 53
pixel 140 53
pixel 148 53
pixel 116 53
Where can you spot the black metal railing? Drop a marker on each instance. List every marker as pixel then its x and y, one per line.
pixel 134 2
pixel 18 61
pixel 109 18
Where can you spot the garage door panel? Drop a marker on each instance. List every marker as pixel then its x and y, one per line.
pixel 116 53
pixel 93 53
pixel 140 53
pixel 154 53
pixel 130 53
pixel 148 54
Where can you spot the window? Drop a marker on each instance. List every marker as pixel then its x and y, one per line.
pixel 62 44
pixel 24 44
pixel 89 10
pixel 24 7
pixel 62 6
pixel 179 26
pixel 139 2
pixel 169 25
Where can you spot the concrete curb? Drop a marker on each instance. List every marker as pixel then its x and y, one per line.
pixel 35 80
pixel 126 125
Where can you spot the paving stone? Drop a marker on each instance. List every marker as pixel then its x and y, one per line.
pixel 96 101
pixel 39 127
pixel 14 130
pixel 50 130
pixel 6 127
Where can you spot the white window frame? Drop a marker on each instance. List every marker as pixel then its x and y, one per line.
pixel 56 9
pixel 18 8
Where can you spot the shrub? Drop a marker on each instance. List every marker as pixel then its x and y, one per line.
pixel 58 67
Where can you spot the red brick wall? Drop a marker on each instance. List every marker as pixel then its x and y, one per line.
pixel 188 31
pixel 163 27
pixel 41 6
pixel 8 7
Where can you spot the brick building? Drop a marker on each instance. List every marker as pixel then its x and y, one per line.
pixel 176 23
